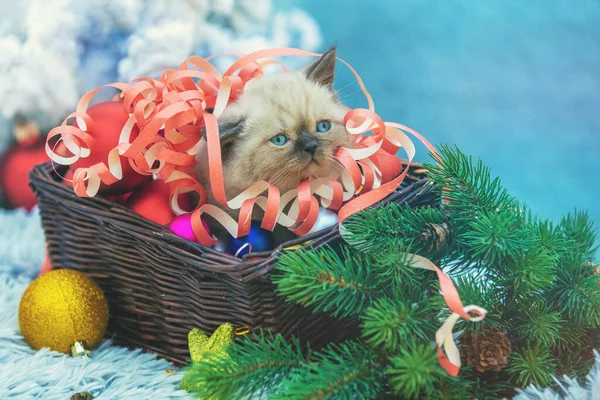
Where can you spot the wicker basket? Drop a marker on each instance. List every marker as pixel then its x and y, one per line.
pixel 160 286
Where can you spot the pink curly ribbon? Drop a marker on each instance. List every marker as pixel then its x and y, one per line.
pixel 175 105
pixel 298 209
pixel 444 339
pixel 168 114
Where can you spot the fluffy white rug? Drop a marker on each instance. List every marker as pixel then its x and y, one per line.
pixel 112 372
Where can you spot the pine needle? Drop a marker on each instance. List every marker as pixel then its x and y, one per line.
pixel 322 279
pixel 256 366
pixel 345 371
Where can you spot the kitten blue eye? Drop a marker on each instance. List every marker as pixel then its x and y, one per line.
pixel 279 140
pixel 323 126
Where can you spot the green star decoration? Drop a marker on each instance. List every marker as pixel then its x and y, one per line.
pixel 201 346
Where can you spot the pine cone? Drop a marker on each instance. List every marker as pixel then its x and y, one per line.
pixel 576 355
pixel 485 351
pixel 436 236
pixel 585 353
pixel 594 335
pixel 592 268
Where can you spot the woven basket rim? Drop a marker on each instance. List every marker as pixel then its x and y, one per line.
pixel 250 266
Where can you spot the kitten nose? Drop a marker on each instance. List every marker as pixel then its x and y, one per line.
pixel 307 144
pixel 311 148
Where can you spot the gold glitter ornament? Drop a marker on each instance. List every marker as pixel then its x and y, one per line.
pixel 61 308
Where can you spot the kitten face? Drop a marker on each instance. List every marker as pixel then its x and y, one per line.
pixel 283 129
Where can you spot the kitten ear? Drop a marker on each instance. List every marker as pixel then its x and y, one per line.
pixel 229 131
pixel 322 71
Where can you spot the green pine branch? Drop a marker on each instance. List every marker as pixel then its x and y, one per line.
pixel 424 229
pixel 571 335
pixel 255 366
pixel 533 277
pixel 414 371
pixel 345 371
pixel 532 366
pixel 582 233
pixel 468 186
pixel 394 268
pixel 493 237
pixel 390 322
pixel 322 279
pixel 540 324
pixel 528 273
pixel 549 236
pixel 577 291
pixel 266 365
pixel 576 358
pixel 485 386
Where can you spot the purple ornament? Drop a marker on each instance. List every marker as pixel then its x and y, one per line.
pixel 182 226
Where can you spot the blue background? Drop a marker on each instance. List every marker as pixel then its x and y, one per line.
pixel 514 82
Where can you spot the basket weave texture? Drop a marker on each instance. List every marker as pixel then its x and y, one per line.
pixel 160 286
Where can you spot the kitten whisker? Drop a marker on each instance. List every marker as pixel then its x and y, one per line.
pixel 312 171
pixel 346 95
pixel 345 87
pixel 274 180
pixel 285 173
pixel 336 164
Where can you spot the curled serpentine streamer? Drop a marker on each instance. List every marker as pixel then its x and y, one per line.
pixel 169 113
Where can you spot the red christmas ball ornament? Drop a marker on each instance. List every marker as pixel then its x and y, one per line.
pixel 15 165
pixel 120 199
pixel 109 118
pixel 152 202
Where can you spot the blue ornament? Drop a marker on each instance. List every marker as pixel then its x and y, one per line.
pixel 325 219
pixel 259 239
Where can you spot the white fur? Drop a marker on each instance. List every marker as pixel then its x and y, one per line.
pixel 53 51
pixel 112 372
pixel 21 243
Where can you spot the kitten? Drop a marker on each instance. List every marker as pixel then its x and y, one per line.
pixel 283 129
